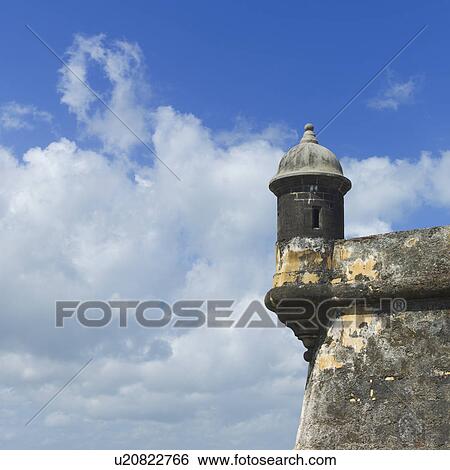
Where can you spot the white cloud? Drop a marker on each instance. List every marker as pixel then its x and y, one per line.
pixel 387 191
pixel 75 223
pixel 121 64
pixel 397 93
pixel 14 116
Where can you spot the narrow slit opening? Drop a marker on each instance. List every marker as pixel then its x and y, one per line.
pixel 316 217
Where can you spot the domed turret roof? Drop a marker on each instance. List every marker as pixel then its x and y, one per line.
pixel 308 157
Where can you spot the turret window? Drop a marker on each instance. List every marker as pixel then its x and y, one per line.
pixel 315 217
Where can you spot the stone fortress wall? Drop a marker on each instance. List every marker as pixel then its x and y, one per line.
pixel 373 313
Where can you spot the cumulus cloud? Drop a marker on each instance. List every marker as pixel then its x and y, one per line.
pixel 396 94
pixel 387 190
pixel 14 116
pixel 76 223
pixel 126 92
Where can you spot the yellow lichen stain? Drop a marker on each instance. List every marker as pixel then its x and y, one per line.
pixel 357 343
pixel 288 265
pixel 336 281
pixel 280 279
pixel 340 254
pixel 361 267
pixel 295 260
pixel 309 258
pixel 328 361
pixel 349 333
pixel 354 399
pixel 410 242
pixel 310 278
pixel 291 261
pixel 441 373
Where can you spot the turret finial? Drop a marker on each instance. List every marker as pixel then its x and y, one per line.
pixel 309 136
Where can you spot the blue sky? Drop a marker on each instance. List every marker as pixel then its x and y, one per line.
pixel 268 62
pixel 220 90
pixel 263 63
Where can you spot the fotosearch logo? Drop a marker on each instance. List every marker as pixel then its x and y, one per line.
pixel 158 314
pixel 215 313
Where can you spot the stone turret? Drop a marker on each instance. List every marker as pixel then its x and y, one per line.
pixel 310 188
pixel 373 313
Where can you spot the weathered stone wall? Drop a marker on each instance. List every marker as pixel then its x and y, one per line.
pixel 410 264
pixel 376 379
pixel 380 382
